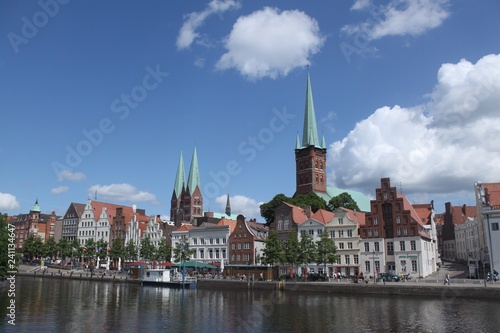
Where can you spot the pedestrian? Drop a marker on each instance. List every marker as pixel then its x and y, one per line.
pixel 447 279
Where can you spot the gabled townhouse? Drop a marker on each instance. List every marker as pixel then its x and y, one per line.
pixel 488 218
pixel 395 237
pixel 70 221
pixel 136 228
pixel 246 242
pixel 287 219
pixel 452 217
pixel 157 229
pixel 343 228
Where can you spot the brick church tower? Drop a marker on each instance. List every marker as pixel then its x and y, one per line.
pixel 310 156
pixel 187 201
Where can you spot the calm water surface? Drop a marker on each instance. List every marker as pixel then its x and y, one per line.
pixel 52 305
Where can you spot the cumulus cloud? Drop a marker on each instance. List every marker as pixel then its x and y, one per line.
pixel 194 20
pixel 120 193
pixel 240 205
pixel 441 147
pixel 59 189
pixel 269 43
pixel 8 201
pixel 69 175
pixel 399 17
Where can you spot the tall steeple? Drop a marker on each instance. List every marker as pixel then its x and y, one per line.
pixel 310 132
pixel 194 174
pixel 310 158
pixel 228 206
pixel 180 178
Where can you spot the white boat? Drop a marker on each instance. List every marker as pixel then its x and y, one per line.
pixel 168 277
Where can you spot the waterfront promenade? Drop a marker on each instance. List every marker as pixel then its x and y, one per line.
pixel 432 285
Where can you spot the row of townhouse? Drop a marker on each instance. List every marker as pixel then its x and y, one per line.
pixel 233 242
pixel 471 234
pixel 394 237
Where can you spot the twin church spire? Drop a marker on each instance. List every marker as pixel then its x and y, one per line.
pixel 187 200
pixel 310 131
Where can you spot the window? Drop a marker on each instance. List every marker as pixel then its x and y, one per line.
pixel 233 246
pixel 246 246
pixel 402 246
pixel 341 233
pixel 311 232
pixel 238 257
pixel 356 259
pixel 347 259
pixel 405 231
pixel 195 241
pixel 349 233
pixel 413 245
pixel 341 220
pixel 494 226
pixel 369 232
pixel 375 220
pixel 287 224
pixel 332 233
pixel 280 224
pixel 414 266
pixel 202 254
pixel 375 232
pixel 367 266
pixel 390 248
pixel 349 245
pixel 302 232
pixel 319 231
pixel 341 246
pixel 377 247
pixel 398 219
pixel 239 246
pixel 399 231
pixel 367 247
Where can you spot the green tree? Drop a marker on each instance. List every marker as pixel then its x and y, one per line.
pixel 164 252
pixel 307 250
pixel 64 248
pixel 130 251
pixel 90 249
pixel 309 199
pixel 326 250
pixel 50 248
pixel 102 249
pixel 343 200
pixel 76 250
pixel 267 209
pixel 117 250
pixel 291 250
pixel 147 248
pixel 272 254
pixel 33 247
pixel 182 252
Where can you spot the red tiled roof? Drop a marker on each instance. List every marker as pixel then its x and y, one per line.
pixel 357 216
pixel 298 214
pixel 494 192
pixel 230 223
pixel 111 210
pixel 458 215
pixel 323 216
pixel 184 227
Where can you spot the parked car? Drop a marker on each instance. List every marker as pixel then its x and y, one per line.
pixel 387 277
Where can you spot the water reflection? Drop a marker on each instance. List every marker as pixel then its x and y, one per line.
pixel 44 305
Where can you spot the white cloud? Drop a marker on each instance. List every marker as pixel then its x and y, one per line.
pixel 361 4
pixel 441 147
pixel 269 43
pixel 194 20
pixel 120 193
pixel 240 205
pixel 66 174
pixel 200 62
pixel 59 189
pixel 8 201
pixel 399 18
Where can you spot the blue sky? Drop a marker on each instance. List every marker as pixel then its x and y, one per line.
pixel 103 97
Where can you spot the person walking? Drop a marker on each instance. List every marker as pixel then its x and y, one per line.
pixel 447 279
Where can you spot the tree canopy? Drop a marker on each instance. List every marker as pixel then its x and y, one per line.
pixel 267 210
pixel 343 200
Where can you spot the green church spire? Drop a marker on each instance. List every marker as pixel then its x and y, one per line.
pixel 310 134
pixel 194 173
pixel 36 207
pixel 180 178
pixel 297 143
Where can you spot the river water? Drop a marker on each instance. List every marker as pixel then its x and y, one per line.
pixel 53 305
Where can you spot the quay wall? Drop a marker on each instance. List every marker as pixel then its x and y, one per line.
pixel 408 289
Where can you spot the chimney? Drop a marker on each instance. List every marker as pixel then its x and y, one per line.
pixel 307 211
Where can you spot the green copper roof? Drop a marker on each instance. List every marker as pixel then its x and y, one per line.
pixel 323 141
pixel 180 178
pixel 362 201
pixel 36 207
pixel 194 173
pixel 310 134
pixel 297 143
